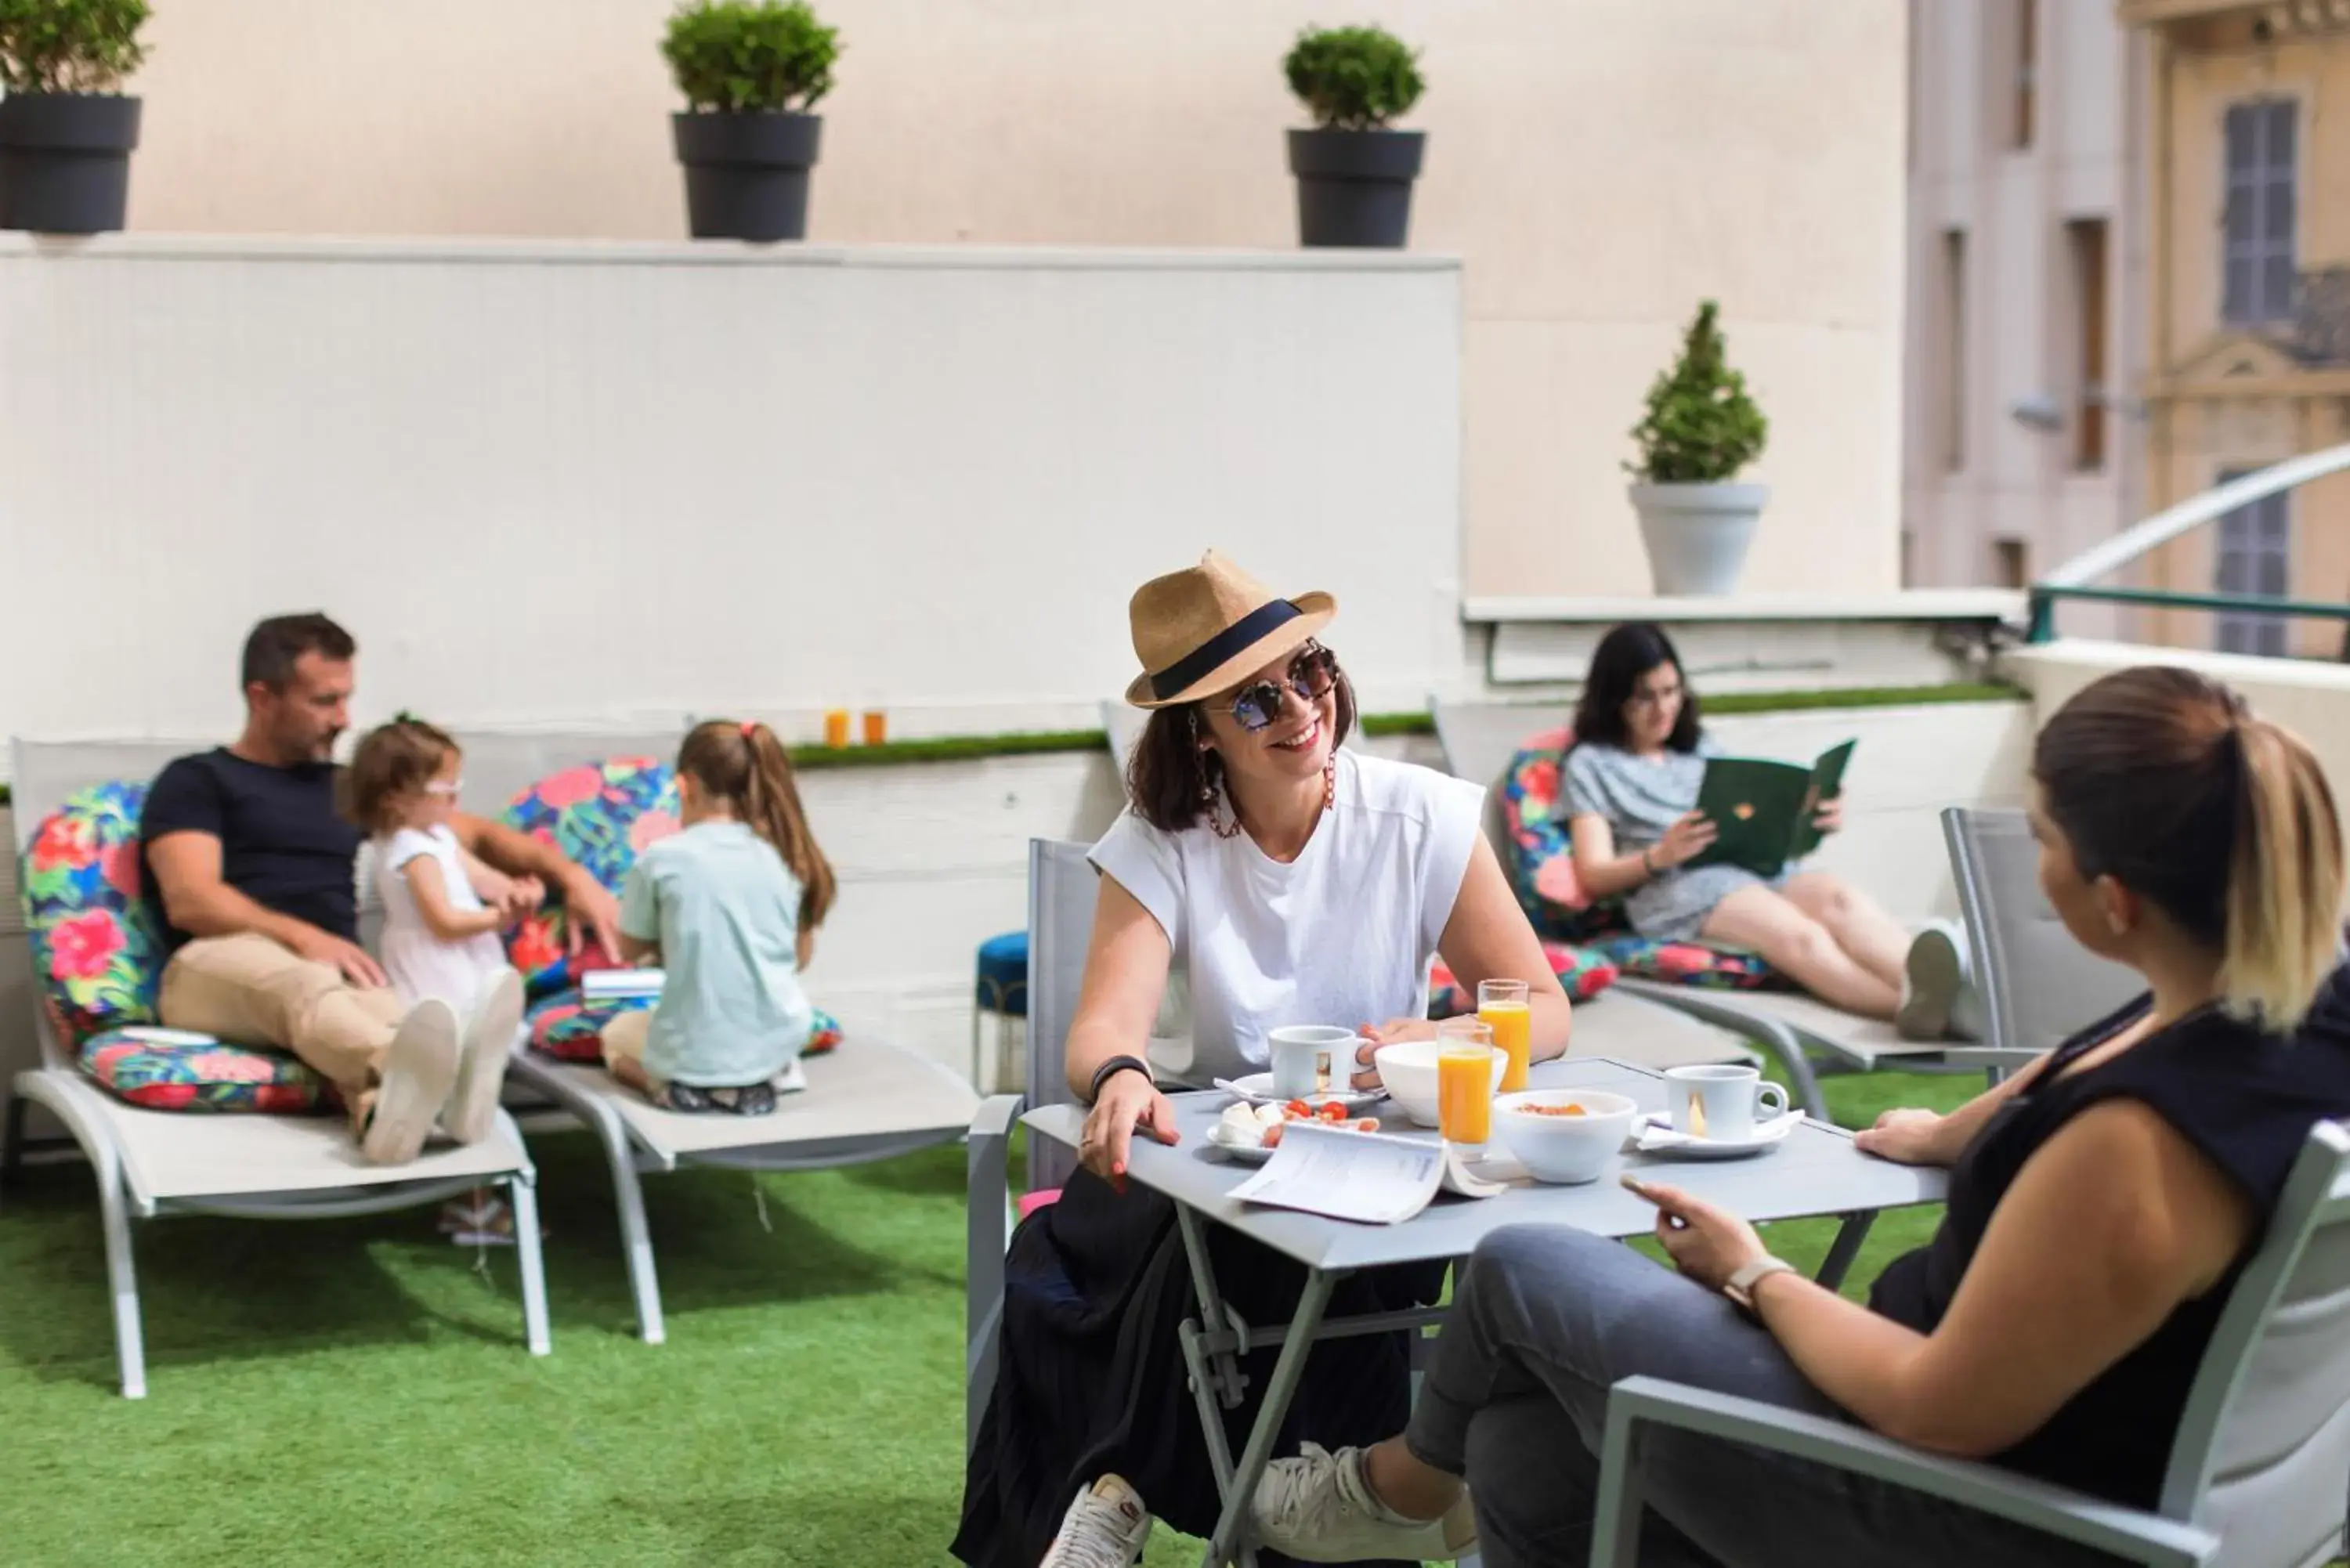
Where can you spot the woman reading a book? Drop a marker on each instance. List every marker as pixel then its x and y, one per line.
pixel 1293 882
pixel 2103 1205
pixel 1629 789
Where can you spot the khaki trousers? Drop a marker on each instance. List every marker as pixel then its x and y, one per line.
pixel 624 1038
pixel 250 991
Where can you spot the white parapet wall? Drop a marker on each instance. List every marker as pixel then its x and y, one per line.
pixel 2310 698
pixel 573 482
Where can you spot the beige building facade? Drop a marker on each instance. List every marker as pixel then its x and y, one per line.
pixel 2248 314
pixel 1600 165
pixel 2022 441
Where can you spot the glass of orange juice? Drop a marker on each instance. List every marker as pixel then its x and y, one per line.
pixel 1464 1082
pixel 1502 1006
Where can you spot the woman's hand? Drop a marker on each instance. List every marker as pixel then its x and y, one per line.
pixel 1706 1243
pixel 1684 841
pixel 1829 815
pixel 1904 1137
pixel 1130 1103
pixel 1393 1032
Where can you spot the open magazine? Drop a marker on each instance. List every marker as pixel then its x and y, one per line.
pixel 1373 1177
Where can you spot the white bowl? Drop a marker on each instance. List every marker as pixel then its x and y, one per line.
pixel 1407 1071
pixel 1566 1150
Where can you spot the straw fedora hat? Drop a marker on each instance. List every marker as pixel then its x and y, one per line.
pixel 1200 631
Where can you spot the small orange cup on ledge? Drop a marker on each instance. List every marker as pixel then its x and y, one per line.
pixel 835 728
pixel 876 726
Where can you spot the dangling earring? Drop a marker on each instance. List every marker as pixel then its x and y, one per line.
pixel 1330 781
pixel 1208 805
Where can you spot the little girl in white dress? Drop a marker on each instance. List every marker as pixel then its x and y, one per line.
pixel 443 907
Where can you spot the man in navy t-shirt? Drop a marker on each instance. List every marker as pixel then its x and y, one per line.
pixel 251 871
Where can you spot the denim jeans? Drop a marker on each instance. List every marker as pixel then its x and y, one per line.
pixel 1544 1319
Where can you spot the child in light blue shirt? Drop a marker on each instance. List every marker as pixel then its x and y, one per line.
pixel 729 907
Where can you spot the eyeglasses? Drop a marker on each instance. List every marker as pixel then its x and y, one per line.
pixel 1658 697
pixel 451 789
pixel 1311 673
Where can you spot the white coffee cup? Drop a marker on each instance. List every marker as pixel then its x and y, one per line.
pixel 1721 1102
pixel 1311 1059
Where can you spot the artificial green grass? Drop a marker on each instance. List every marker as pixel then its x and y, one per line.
pixel 355 1392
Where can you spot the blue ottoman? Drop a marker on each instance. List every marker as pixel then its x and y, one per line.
pixel 1003 994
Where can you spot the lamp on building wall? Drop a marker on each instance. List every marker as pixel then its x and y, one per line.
pixel 2044 415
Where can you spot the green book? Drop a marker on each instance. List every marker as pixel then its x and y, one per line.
pixel 1764 811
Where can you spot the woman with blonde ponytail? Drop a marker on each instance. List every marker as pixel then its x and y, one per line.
pixel 2102 1206
pixel 729 907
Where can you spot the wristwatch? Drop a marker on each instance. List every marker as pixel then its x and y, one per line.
pixel 1739 1286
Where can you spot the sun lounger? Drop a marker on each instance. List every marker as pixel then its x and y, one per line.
pixel 151 1163
pixel 1478 740
pixel 866 1100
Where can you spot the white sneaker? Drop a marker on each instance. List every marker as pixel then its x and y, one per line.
pixel 1317 1508
pixel 420 1067
pixel 487 1046
pixel 1934 987
pixel 1104 1528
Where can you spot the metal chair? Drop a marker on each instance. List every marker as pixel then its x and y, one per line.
pixel 1062 890
pixel 2038 985
pixel 2255 1472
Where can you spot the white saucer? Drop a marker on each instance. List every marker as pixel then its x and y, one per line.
pixel 1246 1153
pixel 1654 1134
pixel 1257 1090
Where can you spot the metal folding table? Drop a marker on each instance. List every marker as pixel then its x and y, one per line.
pixel 1815 1171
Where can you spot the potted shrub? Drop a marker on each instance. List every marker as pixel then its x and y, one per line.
pixel 751 70
pixel 66 131
pixel 1702 428
pixel 1353 174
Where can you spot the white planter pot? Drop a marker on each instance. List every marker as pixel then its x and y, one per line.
pixel 1697 535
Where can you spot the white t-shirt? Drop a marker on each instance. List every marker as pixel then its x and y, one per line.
pixel 1341 935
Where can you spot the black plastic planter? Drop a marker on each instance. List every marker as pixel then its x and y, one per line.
pixel 1353 187
pixel 746 175
pixel 65 161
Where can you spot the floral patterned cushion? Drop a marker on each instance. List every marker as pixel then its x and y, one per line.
pixel 1542 858
pixel 172 1070
pixel 1688 964
pixel 1542 870
pixel 600 815
pixel 1582 970
pixel 561 1026
pixel 96 951
pixel 99 962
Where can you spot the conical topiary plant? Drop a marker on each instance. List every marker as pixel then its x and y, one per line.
pixel 1700 427
pixel 1699 430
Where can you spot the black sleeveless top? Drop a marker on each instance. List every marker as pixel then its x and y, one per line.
pixel 2246 1101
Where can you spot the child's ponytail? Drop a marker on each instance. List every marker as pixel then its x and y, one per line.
pixel 745 765
pixel 771 806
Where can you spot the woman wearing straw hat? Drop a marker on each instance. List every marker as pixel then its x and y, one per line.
pixel 1293 883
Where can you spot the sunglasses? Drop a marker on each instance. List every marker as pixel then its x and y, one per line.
pixel 1311 673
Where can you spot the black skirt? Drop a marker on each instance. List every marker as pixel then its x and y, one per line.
pixel 1090 1377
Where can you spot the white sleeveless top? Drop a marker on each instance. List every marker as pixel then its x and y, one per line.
pixel 1341 935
